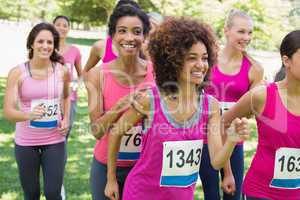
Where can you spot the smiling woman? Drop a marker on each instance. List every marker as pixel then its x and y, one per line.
pixel 41 87
pixel 128 27
pixel 232 76
pixel 177 115
pixel 72 60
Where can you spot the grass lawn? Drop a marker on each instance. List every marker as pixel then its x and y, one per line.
pixel 80 151
pixel 81 41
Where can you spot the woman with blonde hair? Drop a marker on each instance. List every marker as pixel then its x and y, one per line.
pixel 233 75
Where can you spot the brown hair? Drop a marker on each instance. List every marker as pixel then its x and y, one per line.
pixel 171 42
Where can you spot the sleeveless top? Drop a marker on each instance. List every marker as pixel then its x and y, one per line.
pixel 228 89
pixel 171 155
pixel 109 55
pixel 112 91
pixel 274 171
pixel 72 57
pixel 47 92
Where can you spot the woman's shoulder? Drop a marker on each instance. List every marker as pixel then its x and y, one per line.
pixel 99 45
pixel 254 64
pixel 16 71
pixel 74 48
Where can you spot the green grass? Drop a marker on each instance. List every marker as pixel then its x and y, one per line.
pixel 81 41
pixel 80 152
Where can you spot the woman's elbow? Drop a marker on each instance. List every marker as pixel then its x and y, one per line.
pixel 217 165
pixel 7 115
pixel 96 131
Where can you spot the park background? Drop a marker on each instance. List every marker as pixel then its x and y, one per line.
pixel 272 20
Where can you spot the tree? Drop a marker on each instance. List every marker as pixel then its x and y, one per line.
pixel 87 12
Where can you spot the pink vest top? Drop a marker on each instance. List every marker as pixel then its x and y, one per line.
pixel 72 57
pixel 277 128
pixel 33 89
pixel 113 90
pixel 147 180
pixel 229 88
pixel 109 55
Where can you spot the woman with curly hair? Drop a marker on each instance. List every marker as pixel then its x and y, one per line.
pixel 176 115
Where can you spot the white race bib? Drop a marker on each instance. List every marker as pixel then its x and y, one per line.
pixel 287 169
pixel 130 147
pixel 50 118
pixel 181 162
pixel 225 106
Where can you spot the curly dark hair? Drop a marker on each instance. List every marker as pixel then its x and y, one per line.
pixel 55 57
pixel 127 10
pixel 171 42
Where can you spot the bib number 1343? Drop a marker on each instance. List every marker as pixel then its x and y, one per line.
pixel 181 161
pixel 287 169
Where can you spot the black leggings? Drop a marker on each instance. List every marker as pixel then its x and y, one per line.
pixel 51 158
pixel 98 179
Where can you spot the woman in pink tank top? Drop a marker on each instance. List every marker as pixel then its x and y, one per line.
pixel 234 74
pixel 176 116
pixel 109 87
pixel 40 87
pixel 274 171
pixel 72 59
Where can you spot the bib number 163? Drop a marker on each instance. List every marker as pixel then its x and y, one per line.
pixel 287 168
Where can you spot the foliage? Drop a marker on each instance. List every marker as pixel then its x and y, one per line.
pixel 26 9
pixel 86 12
pixel 273 19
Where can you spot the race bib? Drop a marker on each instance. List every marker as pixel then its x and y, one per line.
pixel 287 169
pixel 130 147
pixel 226 106
pixel 50 117
pixel 181 162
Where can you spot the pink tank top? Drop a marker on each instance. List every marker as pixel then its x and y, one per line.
pixel 113 90
pixel 278 145
pixel 31 90
pixel 167 149
pixel 228 89
pixel 72 57
pixel 109 55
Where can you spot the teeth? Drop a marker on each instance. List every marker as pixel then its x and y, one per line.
pixel 128 46
pixel 197 74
